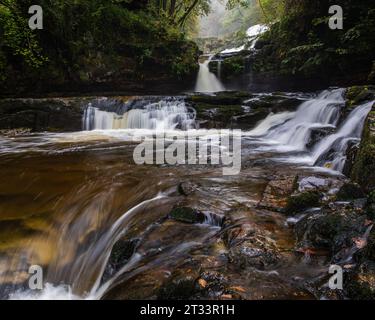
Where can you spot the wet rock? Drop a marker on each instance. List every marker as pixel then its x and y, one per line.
pixel 302 201
pixel 350 191
pixel 187 215
pixel 313 183
pixel 318 134
pixel 275 196
pixel 331 229
pixel 351 154
pixel 359 94
pixel 182 285
pixel 216 283
pixel 59 114
pixel 15 132
pixel 360 285
pixel 187 188
pixel 255 252
pixel 121 252
pixel 363 171
pixel 368 252
pixel 276 102
pixel 221 98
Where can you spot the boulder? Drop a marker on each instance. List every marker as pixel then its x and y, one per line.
pixel 187 215
pixel 299 202
pixel 275 196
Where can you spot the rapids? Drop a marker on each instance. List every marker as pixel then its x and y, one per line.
pixel 68 198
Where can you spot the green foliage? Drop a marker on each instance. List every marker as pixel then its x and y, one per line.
pixel 302 43
pixel 85 40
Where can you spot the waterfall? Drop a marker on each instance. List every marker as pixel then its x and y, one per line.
pixel 331 151
pixel 207 81
pixel 322 112
pixel 162 115
pixel 294 130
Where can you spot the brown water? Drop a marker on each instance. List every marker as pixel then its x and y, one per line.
pixel 67 198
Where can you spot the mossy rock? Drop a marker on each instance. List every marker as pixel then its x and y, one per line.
pixel 363 171
pixel 187 215
pixel 359 94
pixel 301 202
pixel 178 289
pixel 222 98
pixel 350 191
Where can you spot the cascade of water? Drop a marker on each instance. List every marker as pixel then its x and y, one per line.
pixel 163 115
pixel 295 129
pixel 331 151
pixel 207 81
pixel 324 111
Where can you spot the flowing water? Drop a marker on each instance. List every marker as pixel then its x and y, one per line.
pixel 207 82
pixel 67 198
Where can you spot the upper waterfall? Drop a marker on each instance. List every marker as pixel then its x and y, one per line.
pixel 207 81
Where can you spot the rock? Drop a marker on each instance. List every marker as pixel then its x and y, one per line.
pixel 187 215
pixel 258 252
pixel 302 201
pixel 351 154
pixel 182 285
pixel 59 114
pixel 313 183
pixel 350 191
pixel 318 134
pixel 359 94
pixel 121 252
pixel 275 196
pixel 15 132
pixel 363 171
pixel 276 102
pixel 332 229
pixel 360 284
pixel 216 283
pixel 186 188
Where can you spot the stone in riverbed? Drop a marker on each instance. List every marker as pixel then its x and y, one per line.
pixel 187 215
pixel 350 191
pixel 331 228
pixel 121 252
pixel 186 188
pixel 275 196
pixel 302 201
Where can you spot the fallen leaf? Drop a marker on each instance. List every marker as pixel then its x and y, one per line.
pixel 227 296
pixel 239 289
pixel 202 283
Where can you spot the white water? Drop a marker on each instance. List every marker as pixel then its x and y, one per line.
pixel 207 82
pixel 163 115
pixel 252 34
pixel 288 131
pixel 351 130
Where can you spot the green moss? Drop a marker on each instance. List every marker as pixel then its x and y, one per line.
pixel 350 191
pixel 358 94
pixel 232 67
pixel 303 201
pixel 364 167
